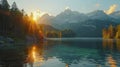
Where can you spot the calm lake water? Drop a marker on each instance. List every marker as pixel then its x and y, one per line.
pixel 72 52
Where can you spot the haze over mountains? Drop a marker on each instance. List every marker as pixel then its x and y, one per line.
pixel 84 25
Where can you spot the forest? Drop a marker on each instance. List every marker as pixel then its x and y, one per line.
pixel 16 24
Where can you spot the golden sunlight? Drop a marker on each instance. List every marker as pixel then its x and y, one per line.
pixel 34 55
pixel 37 14
pixel 34 52
pixel 111 61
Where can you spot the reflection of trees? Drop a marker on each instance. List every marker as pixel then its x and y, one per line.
pixel 15 55
pixel 74 54
pixel 111 44
pixel 12 56
pixel 111 61
pixel 112 49
pixel 67 53
pixel 66 65
pixel 108 44
pixel 118 44
pixel 70 52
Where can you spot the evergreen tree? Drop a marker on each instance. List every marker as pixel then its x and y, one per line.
pixel 14 23
pixel 22 11
pixel 14 6
pixel 5 5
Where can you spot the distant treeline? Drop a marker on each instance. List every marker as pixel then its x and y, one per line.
pixel 60 34
pixel 15 23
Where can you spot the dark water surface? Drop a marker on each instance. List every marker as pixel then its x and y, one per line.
pixel 72 52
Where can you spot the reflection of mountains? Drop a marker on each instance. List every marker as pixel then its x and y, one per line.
pixel 75 51
pixel 67 51
pixel 78 51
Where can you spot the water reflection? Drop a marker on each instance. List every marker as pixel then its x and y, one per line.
pixel 108 44
pixel 112 56
pixel 67 65
pixel 12 55
pixel 64 53
pixel 111 44
pixel 35 55
pixel 118 44
pixel 111 61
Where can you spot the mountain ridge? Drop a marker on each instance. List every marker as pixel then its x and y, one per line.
pixel 82 24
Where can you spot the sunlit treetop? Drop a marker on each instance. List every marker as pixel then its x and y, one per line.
pixel 14 6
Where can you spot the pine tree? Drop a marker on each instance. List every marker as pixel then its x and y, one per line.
pixel 5 5
pixel 14 6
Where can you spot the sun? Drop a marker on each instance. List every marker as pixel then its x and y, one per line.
pixel 37 14
pixel 35 18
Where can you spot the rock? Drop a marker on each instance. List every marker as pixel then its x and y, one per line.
pixel 9 40
pixel 2 42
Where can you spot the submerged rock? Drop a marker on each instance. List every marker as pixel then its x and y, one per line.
pixel 9 40
pixel 6 40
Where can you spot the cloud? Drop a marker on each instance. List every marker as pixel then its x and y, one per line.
pixel 66 8
pixel 111 9
pixel 97 5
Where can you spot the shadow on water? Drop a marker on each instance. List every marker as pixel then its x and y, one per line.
pixel 17 55
pixel 12 55
pixel 62 53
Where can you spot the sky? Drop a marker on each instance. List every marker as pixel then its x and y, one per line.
pixel 54 7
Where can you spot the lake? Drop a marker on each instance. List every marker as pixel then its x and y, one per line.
pixel 62 52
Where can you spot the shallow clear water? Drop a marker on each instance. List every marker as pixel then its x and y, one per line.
pixel 64 52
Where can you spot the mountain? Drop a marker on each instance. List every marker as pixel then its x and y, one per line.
pixel 47 27
pixel 99 15
pixel 70 17
pixel 91 28
pixel 82 24
pixel 62 20
pixel 116 15
pixel 46 19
